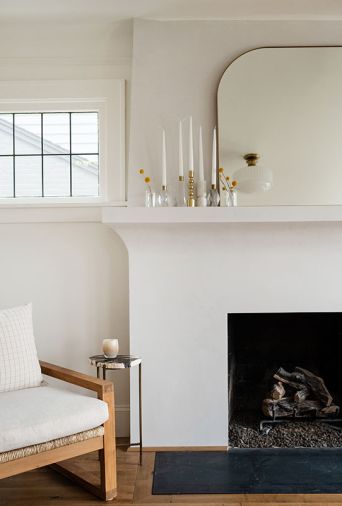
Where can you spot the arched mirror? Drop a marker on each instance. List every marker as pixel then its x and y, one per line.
pixel 285 105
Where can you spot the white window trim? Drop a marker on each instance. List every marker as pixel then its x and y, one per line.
pixel 107 96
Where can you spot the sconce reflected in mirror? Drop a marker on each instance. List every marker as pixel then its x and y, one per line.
pixel 253 178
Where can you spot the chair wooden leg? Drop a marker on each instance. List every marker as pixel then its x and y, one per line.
pixel 108 453
pixel 107 490
pixel 71 475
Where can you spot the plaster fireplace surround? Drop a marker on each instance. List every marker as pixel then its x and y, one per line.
pixel 184 279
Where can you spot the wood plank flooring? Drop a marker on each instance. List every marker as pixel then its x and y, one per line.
pixel 44 487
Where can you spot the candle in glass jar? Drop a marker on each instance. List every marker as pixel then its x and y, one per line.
pixel 110 348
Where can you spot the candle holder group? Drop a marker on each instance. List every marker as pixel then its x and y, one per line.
pixel 191 193
pixel 187 196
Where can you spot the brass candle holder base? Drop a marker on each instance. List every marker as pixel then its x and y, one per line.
pixel 191 202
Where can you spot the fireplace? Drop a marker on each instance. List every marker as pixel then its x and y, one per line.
pixel 258 345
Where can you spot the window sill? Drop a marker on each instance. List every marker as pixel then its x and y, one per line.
pixel 73 212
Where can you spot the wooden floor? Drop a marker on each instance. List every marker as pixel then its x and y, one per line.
pixel 44 487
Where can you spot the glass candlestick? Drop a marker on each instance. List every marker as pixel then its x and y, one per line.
pixel 225 197
pixel 202 197
pixel 151 199
pixel 181 192
pixel 213 197
pixel 164 200
pixel 233 197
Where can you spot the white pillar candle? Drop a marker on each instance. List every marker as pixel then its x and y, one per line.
pixel 200 157
pixel 110 348
pixel 214 163
pixel 180 151
pixel 191 147
pixel 164 160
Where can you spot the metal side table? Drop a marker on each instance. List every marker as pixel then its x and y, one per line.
pixel 117 363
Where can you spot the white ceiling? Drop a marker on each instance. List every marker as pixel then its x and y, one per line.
pixel 95 10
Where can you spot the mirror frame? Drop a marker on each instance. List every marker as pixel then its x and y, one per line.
pixel 236 58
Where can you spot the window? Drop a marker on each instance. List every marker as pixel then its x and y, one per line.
pixel 62 142
pixel 49 154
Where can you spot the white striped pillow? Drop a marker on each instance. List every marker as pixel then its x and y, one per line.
pixel 19 365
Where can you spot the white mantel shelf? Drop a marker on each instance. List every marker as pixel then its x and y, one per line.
pixel 183 215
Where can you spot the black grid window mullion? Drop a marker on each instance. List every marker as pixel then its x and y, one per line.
pixel 71 154
pixel 51 154
pixel 42 151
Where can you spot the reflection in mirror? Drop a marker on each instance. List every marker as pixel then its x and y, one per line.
pixel 285 105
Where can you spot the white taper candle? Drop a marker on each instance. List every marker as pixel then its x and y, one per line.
pixel 164 159
pixel 214 163
pixel 180 152
pixel 191 147
pixel 200 157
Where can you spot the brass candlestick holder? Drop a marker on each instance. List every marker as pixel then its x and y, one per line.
pixel 191 190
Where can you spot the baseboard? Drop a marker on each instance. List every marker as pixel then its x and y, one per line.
pixel 122 415
pixel 180 449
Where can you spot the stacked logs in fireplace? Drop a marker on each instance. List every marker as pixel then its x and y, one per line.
pixel 298 394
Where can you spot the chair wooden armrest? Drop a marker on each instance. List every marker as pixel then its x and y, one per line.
pixel 105 444
pixel 77 378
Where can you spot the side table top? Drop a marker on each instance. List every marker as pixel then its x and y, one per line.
pixel 119 362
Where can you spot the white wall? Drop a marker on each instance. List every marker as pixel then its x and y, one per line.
pixel 176 70
pixel 184 280
pixel 62 50
pixel 76 275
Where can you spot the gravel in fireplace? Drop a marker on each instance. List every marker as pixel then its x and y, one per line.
pixel 244 433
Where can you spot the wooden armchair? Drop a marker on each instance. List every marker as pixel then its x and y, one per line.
pixel 53 457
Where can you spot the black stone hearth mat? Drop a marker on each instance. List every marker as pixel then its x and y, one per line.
pixel 249 471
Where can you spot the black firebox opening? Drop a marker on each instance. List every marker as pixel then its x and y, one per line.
pixel 260 343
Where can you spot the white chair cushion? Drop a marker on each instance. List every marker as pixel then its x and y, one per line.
pixel 19 365
pixel 36 415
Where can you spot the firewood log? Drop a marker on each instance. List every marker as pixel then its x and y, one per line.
pixel 282 408
pixel 278 391
pixel 288 378
pixel 287 408
pixel 295 377
pixel 302 394
pixel 317 386
pixel 305 395
pixel 329 410
pixel 307 407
